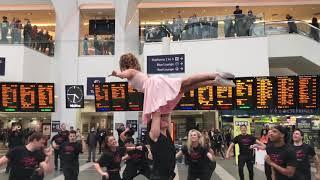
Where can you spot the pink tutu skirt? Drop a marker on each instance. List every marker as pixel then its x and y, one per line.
pixel 161 94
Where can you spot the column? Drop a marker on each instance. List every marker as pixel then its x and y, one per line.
pixel 126 40
pixel 65 64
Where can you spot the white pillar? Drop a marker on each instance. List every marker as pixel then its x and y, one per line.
pixel 166 45
pixel 65 66
pixel 126 40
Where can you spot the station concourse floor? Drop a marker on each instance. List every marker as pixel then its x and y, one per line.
pixel 225 170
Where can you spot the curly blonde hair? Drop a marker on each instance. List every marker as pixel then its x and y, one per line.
pixel 189 142
pixel 129 61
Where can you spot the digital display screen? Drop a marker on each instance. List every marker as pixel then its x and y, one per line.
pixel 9 96
pixel 307 91
pixel 102 98
pixel 265 87
pixel 206 98
pixel 118 96
pixel 134 99
pixel 286 92
pixel 28 97
pixel 188 101
pixel 245 93
pixel 224 98
pixel 46 97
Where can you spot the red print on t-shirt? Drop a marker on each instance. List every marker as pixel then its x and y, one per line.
pixel 117 158
pixel 29 161
pixel 69 149
pixel 300 154
pixel 276 158
pixel 195 156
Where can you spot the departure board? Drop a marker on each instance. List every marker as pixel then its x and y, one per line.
pixel 224 98
pixel 28 97
pixel 206 98
pixel 286 98
pixel 118 96
pixel 307 92
pixel 245 93
pixel 102 98
pixel 265 87
pixel 134 99
pixel 188 101
pixel 45 97
pixel 9 96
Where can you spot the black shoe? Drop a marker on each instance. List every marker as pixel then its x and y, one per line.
pixel 6 172
pixel 88 161
pixel 61 169
pixel 55 169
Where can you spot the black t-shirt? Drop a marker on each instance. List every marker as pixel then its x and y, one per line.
pixel 197 158
pixel 283 156
pixel 244 142
pixel 163 153
pixel 137 156
pixel 59 139
pixel 112 160
pixel 24 162
pixel 303 153
pixel 70 154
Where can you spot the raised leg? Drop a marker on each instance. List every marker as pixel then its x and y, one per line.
pixel 217 82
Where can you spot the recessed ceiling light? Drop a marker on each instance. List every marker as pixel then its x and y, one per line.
pixel 29 14
pixel 99 12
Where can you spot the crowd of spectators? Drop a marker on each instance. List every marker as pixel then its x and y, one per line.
pixel 15 32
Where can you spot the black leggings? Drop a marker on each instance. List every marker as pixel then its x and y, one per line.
pixel 132 170
pixel 56 157
pixel 202 176
pixel 113 176
pixel 71 173
pixel 242 160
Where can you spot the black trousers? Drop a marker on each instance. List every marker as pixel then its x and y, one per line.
pixel 133 169
pixel 303 175
pixel 268 171
pixel 71 173
pixel 113 176
pixel 249 161
pixel 56 157
pixel 201 176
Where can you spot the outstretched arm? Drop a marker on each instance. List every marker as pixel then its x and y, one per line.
pixel 229 150
pixel 3 160
pixel 128 74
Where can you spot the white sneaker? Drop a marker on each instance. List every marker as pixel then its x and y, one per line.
pixel 220 81
pixel 226 75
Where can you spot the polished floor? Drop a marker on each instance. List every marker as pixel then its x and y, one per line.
pixel 225 170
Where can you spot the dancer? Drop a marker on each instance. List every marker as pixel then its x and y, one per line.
pixel 198 156
pixel 28 161
pixel 162 148
pixel 303 153
pixel 169 90
pixel 281 157
pixel 70 151
pixel 111 159
pixel 136 161
pixel 246 144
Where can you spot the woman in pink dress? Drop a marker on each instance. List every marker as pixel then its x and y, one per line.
pixel 161 94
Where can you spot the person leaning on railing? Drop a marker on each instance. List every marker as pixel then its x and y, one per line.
pixel 314 31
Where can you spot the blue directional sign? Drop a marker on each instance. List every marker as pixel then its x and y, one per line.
pixel 166 64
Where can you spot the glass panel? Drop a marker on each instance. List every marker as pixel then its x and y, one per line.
pixel 204 28
pixel 97 32
pixel 300 27
pixel 36 36
pixel 95 46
